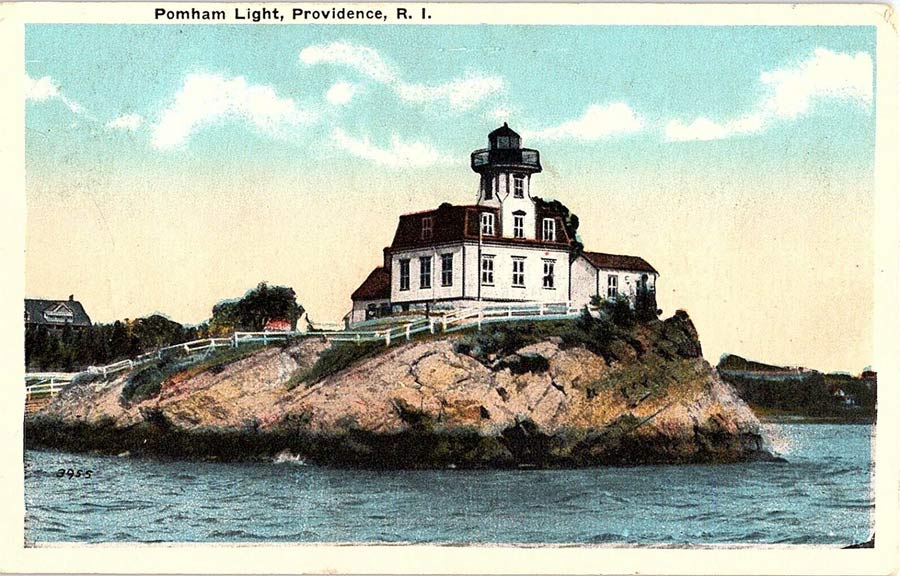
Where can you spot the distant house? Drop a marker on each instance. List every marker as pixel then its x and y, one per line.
pixel 844 398
pixel 507 247
pixel 277 326
pixel 56 314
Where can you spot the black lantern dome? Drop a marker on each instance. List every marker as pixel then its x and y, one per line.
pixel 505 153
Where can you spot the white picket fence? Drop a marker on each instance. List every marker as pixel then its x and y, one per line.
pixel 40 383
pixel 53 382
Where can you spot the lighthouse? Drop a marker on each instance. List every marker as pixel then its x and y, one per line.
pixel 508 247
pixel 506 169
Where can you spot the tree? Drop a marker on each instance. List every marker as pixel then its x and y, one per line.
pixel 256 308
pixel 157 331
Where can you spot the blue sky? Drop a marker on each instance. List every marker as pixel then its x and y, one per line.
pixel 536 77
pixel 168 167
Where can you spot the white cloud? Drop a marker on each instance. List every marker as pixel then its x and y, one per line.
pixel 44 89
pixel 790 93
pixel 340 93
pixel 706 129
pixel 459 94
pixel 501 113
pixel 208 98
pixel 363 59
pixel 129 122
pixel 597 122
pixel 398 155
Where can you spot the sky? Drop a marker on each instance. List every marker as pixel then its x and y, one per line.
pixel 169 167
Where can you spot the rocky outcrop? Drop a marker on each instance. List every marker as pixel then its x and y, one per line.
pixel 572 394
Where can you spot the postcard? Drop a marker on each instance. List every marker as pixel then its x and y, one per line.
pixel 450 288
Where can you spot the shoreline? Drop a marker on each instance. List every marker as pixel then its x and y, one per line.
pixel 803 419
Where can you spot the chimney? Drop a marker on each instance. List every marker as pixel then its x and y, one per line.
pixel 71 297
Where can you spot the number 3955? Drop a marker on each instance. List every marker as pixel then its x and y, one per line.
pixel 73 473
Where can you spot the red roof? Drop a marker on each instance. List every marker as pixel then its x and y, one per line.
pixel 376 286
pixel 277 326
pixel 456 223
pixel 618 262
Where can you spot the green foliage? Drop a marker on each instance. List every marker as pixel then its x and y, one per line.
pixel 72 349
pixel 645 305
pixel 340 356
pixel 498 340
pixel 595 334
pixel 619 311
pixel 735 362
pixel 157 331
pixel 805 394
pixel 255 309
pixel 146 382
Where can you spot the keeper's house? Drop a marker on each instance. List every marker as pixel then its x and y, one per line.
pixel 507 247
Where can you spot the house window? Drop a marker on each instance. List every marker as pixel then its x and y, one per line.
pixel 549 281
pixel 404 274
pixel 612 286
pixel 518 226
pixel 59 314
pixel 518 186
pixel 427 227
pixel 549 230
pixel 446 269
pixel 487 224
pixel 425 272
pixel 487 270
pixel 518 272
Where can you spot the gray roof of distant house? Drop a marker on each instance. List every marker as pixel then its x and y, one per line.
pixel 34 310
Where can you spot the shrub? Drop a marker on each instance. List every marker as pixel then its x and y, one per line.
pixel 619 311
pixel 144 383
pixel 340 356
pixel 645 305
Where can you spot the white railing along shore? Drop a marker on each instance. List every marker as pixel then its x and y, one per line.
pixel 52 382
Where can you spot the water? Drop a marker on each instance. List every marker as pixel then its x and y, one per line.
pixel 821 497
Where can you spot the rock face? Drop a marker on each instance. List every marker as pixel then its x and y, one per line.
pixel 644 395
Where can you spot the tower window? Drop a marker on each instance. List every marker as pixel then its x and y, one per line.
pixel 488 191
pixel 549 229
pixel 446 269
pixel 518 272
pixel 612 286
pixel 404 274
pixel 518 186
pixel 518 226
pixel 503 142
pixel 487 270
pixel 425 272
pixel 487 224
pixel 427 227
pixel 549 279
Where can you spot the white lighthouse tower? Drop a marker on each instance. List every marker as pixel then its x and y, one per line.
pixel 506 168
